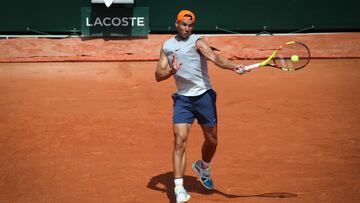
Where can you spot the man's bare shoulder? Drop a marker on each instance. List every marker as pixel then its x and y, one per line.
pixel 201 43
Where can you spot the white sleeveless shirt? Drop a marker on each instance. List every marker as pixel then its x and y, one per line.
pixel 192 78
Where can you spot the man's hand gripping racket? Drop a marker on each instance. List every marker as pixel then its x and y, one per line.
pixel 288 57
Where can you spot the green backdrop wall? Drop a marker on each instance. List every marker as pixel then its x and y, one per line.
pixel 245 16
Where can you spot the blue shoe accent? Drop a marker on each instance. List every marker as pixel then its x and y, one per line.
pixel 204 175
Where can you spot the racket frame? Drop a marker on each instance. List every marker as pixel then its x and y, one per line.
pixel 267 62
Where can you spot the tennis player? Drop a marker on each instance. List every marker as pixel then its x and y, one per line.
pixel 187 55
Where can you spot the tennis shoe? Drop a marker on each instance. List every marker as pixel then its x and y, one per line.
pixel 204 175
pixel 182 195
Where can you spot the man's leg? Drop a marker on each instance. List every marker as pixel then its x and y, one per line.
pixel 181 132
pixel 202 167
pixel 209 146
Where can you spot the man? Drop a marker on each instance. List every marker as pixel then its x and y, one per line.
pixel 187 55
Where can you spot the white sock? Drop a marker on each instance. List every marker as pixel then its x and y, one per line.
pixel 179 182
pixel 205 164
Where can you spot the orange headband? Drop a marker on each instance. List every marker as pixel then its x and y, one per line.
pixel 185 14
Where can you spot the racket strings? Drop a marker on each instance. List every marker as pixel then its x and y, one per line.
pixel 292 56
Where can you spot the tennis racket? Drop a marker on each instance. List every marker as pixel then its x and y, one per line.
pixel 288 57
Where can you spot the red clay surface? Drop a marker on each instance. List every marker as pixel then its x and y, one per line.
pixel 101 132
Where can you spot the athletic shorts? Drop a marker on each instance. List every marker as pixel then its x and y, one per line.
pixel 202 107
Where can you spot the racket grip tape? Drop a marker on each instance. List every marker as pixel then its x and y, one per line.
pixel 249 67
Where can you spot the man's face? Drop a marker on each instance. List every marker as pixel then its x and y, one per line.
pixel 185 28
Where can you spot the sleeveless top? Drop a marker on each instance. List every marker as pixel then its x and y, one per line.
pixel 192 78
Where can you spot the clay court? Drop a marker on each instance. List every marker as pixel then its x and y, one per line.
pixel 102 131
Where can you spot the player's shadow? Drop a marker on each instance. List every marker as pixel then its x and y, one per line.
pixel 164 183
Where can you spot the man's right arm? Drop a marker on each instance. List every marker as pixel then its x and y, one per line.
pixel 162 71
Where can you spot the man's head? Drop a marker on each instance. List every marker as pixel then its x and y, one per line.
pixel 184 23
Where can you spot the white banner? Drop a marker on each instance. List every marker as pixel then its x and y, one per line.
pixel 109 2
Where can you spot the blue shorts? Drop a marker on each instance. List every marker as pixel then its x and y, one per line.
pixel 202 107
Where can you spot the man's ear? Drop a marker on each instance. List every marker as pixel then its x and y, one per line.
pixel 176 24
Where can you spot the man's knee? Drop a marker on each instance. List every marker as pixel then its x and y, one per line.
pixel 180 141
pixel 210 134
pixel 180 137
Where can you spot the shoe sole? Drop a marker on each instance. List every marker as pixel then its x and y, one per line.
pixel 202 183
pixel 187 199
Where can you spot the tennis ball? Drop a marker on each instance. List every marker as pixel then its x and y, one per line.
pixel 294 58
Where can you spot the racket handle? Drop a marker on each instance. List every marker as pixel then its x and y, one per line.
pixel 249 67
